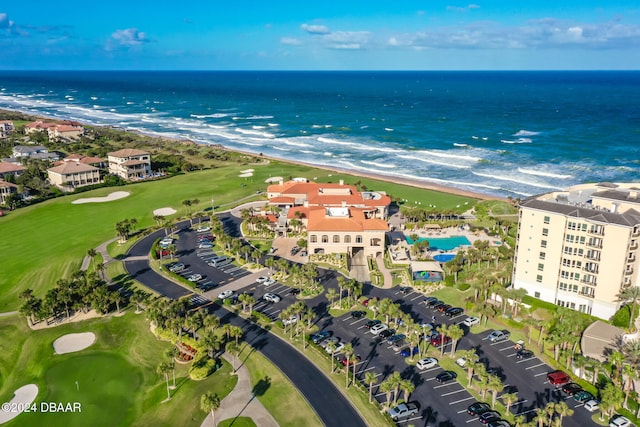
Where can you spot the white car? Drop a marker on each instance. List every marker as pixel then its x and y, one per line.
pixel 290 321
pixel 620 421
pixel 205 245
pixel 592 405
pixel 194 277
pixel 461 362
pixel 427 363
pixel 262 279
pixel 203 228
pixel 225 294
pixel 378 328
pixel 165 242
pixel 269 282
pixel 271 297
pixel 338 348
pixel 470 321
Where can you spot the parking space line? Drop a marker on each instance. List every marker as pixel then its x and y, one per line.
pixel 460 401
pixel 415 298
pixel 453 392
pixel 347 318
pixel 535 366
pixel 365 370
pixel 408 419
pixel 445 385
pixel 472 419
pixel 506 348
pixel 527 360
pixel 459 315
pixel 357 321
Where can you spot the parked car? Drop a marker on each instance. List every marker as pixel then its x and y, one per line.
pixel 462 362
pixel 478 408
pixel 208 237
pixel 194 277
pixel 446 376
pixel 225 294
pixel 203 229
pixel 337 349
pixel 453 312
pixel 443 308
pixel 439 340
pixel 165 242
pixel 294 291
pixel 398 345
pixel 325 342
pixel 206 286
pixel 592 405
pixel 402 411
pixel 583 396
pixel 497 335
pixel 619 421
pixel 407 351
pixel 358 314
pixel 558 378
pixel 354 360
pixel 178 266
pixel 434 302
pixel 387 333
pixel 489 417
pixel 427 300
pixel 499 423
pixel 205 245
pixel 262 279
pixel 524 354
pixel 295 250
pixel 427 363
pixel 375 330
pixel 371 323
pixel 438 305
pixel 271 297
pixel 571 388
pixel 290 320
pixel 320 336
pixel 395 338
pixel 470 321
pixel 269 282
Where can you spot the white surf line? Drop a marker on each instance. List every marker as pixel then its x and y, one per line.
pixel 453 392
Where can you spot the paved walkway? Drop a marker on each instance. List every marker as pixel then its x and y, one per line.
pixel 241 402
pixel 386 274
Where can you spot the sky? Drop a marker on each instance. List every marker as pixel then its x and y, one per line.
pixel 320 35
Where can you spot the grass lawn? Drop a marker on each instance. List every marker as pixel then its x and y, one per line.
pixel 237 422
pixel 116 376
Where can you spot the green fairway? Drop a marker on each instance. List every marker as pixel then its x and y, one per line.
pixel 47 241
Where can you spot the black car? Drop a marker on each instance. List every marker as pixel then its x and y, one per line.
pixel 478 408
pixel 387 333
pixel 371 323
pixel 571 388
pixel 427 300
pixel 434 302
pixel 455 311
pixel 294 291
pixel 524 354
pixel 358 314
pixel 446 376
pixel 295 250
pixel 443 308
pixel 316 338
pixel 489 417
pixel 206 286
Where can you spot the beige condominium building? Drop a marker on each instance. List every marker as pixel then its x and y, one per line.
pixel 130 163
pixel 578 248
pixel 70 175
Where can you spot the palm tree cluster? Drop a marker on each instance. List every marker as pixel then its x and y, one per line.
pixel 392 386
pixel 124 227
pixel 257 225
pixel 304 318
pixel 354 291
pixel 417 214
pixel 82 292
pixel 303 276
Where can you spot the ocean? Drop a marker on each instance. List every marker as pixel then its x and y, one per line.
pixel 500 133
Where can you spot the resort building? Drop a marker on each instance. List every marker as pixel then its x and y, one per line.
pixel 6 128
pixel 338 218
pixel 86 160
pixel 578 248
pixel 70 175
pixel 130 163
pixel 37 126
pixel 6 189
pixel 56 133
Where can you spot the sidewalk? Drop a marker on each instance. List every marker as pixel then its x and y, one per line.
pixel 241 402
pixel 386 274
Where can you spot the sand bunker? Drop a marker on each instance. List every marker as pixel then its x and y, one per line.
pixel 246 175
pixel 273 179
pixel 164 211
pixel 246 171
pixel 110 198
pixel 73 342
pixel 22 397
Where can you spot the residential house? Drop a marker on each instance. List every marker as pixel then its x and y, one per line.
pixel 578 248
pixel 10 169
pixel 38 126
pixel 86 160
pixel 6 128
pixel 28 150
pixel 70 175
pixel 130 163
pixel 6 189
pixel 56 133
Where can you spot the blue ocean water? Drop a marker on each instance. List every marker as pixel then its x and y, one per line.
pixel 501 133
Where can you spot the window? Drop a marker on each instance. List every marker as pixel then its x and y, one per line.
pixel 347 238
pixel 313 238
pixel 540 267
pixel 545 231
pixel 325 238
pixel 336 238
pixel 539 278
pixel 536 294
pixel 358 239
pixel 543 244
pixel 547 219
pixel 543 255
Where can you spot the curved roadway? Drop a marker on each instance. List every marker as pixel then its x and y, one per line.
pixel 321 393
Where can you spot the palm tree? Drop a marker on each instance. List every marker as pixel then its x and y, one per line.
pixel 348 354
pixel 496 385
pixel 92 254
pixel 163 369
pixel 455 333
pixel 210 402
pixel 632 294
pixel 370 378
pixel 472 358
pixel 443 330
pixel 508 399
pixel 407 387
pixel 486 311
pixel 331 295
pixel 387 388
pixel 234 350
pixel 396 380
pixel 331 347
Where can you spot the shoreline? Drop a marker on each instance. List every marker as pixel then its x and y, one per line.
pixel 417 183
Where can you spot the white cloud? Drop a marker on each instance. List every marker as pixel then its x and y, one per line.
pixel 129 37
pixel 463 8
pixel 315 29
pixel 290 41
pixel 347 39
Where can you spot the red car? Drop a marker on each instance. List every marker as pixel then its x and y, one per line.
pixel 558 378
pixel 438 340
pixel 354 360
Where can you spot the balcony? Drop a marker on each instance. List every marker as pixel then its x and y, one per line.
pixel 587 294
pixel 628 272
pixel 592 270
pixel 636 232
pixel 597 245
pixel 631 259
pixel 633 246
pixel 593 257
pixel 596 232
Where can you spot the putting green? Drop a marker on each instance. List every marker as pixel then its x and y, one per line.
pixel 105 392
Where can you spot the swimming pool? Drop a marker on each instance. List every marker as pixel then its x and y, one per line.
pixel 444 257
pixel 442 243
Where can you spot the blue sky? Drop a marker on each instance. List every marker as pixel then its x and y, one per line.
pixel 326 35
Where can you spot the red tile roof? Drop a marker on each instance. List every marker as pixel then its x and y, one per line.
pixel 72 167
pixel 6 167
pixel 127 152
pixel 320 221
